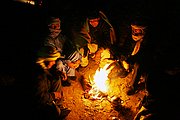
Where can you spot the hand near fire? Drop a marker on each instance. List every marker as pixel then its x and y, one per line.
pixel 125 65
pixel 63 76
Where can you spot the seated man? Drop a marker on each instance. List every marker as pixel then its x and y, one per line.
pixel 134 51
pixel 96 33
pixel 137 55
pixel 46 87
pixel 70 59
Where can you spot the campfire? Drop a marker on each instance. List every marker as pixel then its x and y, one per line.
pixel 104 89
pixel 100 81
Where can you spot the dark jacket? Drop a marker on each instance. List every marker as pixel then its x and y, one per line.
pixel 103 34
pixel 41 84
pixel 43 100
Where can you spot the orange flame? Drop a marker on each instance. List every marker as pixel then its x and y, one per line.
pixel 101 78
pixel 100 84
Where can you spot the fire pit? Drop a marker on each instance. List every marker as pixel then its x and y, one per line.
pixel 99 83
pixel 101 94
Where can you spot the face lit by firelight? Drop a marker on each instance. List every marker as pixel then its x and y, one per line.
pixel 138 32
pixel 94 22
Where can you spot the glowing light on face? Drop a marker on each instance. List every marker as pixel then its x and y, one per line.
pixel 94 22
pixel 138 32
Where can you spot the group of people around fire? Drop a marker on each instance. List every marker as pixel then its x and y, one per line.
pixel 60 55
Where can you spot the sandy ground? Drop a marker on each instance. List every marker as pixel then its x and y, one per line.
pixel 115 105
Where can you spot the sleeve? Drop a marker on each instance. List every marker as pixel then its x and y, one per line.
pixel 107 36
pixel 112 34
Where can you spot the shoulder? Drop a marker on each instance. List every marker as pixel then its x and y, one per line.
pixel 105 19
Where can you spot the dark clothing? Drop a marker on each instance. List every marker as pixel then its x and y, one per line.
pixel 142 56
pixel 58 39
pixel 62 43
pixel 88 40
pixel 56 42
pixel 162 86
pixel 100 34
pixel 43 86
pixel 125 46
pixel 141 62
pixel 103 34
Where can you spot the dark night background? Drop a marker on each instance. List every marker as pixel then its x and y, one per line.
pixel 22 26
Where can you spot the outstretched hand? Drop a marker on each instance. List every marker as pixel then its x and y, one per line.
pixel 63 76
